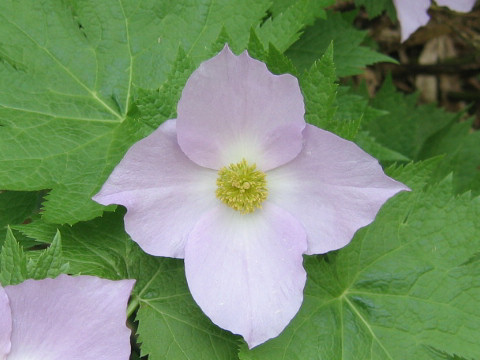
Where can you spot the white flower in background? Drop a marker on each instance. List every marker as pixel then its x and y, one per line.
pixel 413 13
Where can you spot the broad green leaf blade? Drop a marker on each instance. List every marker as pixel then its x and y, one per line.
pixel 378 151
pixel 158 28
pixel 17 206
pixel 350 56
pixel 13 261
pixel 171 326
pixel 70 70
pixel 405 127
pixel 407 286
pixel 462 149
pixel 63 96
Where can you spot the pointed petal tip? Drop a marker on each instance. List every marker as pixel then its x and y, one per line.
pixel 256 279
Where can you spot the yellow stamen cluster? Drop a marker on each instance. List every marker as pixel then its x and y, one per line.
pixel 242 187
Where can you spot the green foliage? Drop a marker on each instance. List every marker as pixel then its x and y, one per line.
pixel 377 7
pixel 284 28
pixel 421 132
pixel 156 106
pixel 49 263
pixel 16 265
pixel 99 247
pixel 13 262
pixel 67 89
pixel 350 56
pixel 83 80
pixel 319 89
pixel 404 288
pixel 405 127
pixel 16 206
pixel 331 107
pixel 171 326
pixel 462 150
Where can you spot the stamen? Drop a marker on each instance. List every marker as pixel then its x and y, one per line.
pixel 242 187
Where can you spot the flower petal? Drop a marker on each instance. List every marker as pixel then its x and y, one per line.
pixel 159 185
pixel 68 317
pixel 333 188
pixel 411 14
pixel 245 271
pixel 458 5
pixel 232 107
pixel 5 324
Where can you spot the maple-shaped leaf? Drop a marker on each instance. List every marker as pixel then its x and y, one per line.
pixel 350 55
pixel 69 71
pixel 406 287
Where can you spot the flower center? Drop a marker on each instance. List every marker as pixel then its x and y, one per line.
pixel 242 187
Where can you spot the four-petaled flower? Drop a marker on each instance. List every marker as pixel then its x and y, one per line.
pixel 241 187
pixel 81 317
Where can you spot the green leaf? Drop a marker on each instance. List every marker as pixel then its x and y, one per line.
pixel 17 206
pixel 17 266
pixel 376 7
pixel 171 326
pixel 69 72
pixel 276 62
pixel 50 263
pixel 461 147
pixel 319 89
pixel 156 106
pixel 405 127
pixel 99 247
pixel 329 106
pixel 350 56
pixel 378 151
pixel 285 27
pixel 13 261
pixel 405 287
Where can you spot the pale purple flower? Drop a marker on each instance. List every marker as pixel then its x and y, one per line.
pixel 240 187
pixel 75 318
pixel 413 13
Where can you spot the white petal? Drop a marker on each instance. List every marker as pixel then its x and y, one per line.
pixel 232 107
pixel 5 324
pixel 164 191
pixel 333 188
pixel 458 5
pixel 245 271
pixel 75 318
pixel 411 14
